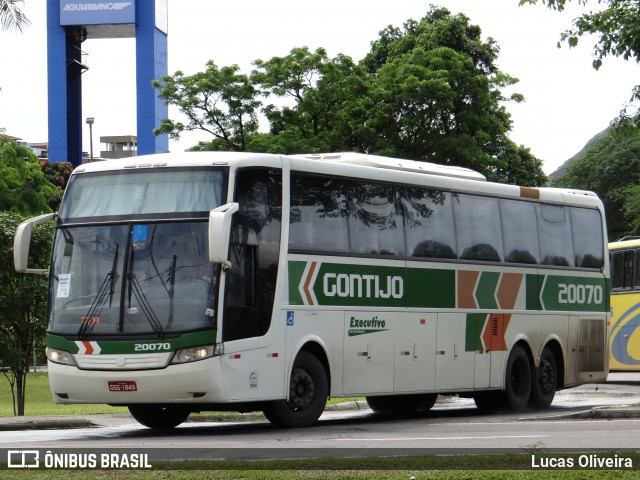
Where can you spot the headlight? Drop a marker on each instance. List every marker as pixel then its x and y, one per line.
pixel 59 356
pixel 193 354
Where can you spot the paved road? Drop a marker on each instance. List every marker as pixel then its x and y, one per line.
pixel 604 416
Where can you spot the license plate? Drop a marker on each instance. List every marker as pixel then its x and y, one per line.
pixel 123 386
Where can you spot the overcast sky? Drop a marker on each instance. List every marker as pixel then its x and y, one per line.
pixel 567 101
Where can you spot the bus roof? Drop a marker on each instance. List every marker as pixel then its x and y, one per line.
pixel 625 242
pixel 353 164
pixel 377 161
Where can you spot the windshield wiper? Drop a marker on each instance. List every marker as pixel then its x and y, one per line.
pixel 134 287
pixel 95 309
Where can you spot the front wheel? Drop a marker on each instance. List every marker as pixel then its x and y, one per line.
pixel 159 417
pixel 308 393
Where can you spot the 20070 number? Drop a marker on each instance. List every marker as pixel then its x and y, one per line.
pixel 581 294
pixel 152 347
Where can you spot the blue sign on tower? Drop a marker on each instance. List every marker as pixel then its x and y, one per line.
pixel 77 12
pixel 69 23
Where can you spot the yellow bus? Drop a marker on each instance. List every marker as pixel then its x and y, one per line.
pixel 624 339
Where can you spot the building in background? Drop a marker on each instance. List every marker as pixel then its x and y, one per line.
pixel 119 146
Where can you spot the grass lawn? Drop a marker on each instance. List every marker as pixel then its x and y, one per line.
pixel 40 402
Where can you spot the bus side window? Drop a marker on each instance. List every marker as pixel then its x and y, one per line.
pixel 556 244
pixel 587 238
pixel 318 219
pixel 478 228
pixel 519 230
pixel 628 269
pixel 375 222
pixel 636 270
pixel 617 270
pixel 428 219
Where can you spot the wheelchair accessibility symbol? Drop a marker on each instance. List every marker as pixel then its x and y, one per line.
pixel 289 318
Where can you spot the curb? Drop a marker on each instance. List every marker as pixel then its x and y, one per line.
pixel 102 420
pixel 49 423
pixel 594 413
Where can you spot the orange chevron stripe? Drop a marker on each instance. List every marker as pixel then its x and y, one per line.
pixel 508 290
pixel 494 332
pixel 88 347
pixel 307 281
pixel 466 285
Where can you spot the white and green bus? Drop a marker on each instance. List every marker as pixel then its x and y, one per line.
pixel 251 282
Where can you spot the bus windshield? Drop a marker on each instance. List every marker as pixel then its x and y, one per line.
pixel 134 278
pixel 150 193
pixel 130 254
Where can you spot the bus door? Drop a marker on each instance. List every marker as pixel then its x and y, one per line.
pixel 250 287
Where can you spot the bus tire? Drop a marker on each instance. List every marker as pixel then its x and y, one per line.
pixel 308 393
pixel 518 379
pixel 402 404
pixel 159 417
pixel 545 380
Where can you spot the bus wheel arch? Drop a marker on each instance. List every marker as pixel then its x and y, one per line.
pixel 547 377
pixel 319 352
pixel 308 391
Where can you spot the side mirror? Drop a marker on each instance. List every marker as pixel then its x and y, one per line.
pixel 22 241
pixel 219 233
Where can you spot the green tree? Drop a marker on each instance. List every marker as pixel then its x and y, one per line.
pixel 11 16
pixel 617 34
pixel 23 305
pixel 436 93
pixel 519 166
pixel 219 101
pixel 23 187
pixel 610 168
pixel 325 94
pixel 428 92
pixel 629 197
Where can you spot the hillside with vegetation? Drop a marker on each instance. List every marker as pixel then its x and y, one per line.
pixel 609 165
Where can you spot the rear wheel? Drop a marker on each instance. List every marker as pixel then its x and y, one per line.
pixel 308 392
pixel 545 380
pixel 402 404
pixel 518 379
pixel 160 417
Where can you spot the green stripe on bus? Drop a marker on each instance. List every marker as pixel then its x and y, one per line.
pixel 367 285
pixel 114 347
pixel 296 269
pixel 473 332
pixel 533 291
pixel 486 290
pixel 355 285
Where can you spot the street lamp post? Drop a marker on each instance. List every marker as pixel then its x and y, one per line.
pixel 90 123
